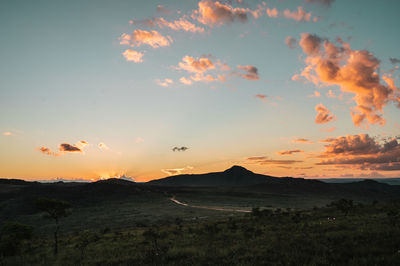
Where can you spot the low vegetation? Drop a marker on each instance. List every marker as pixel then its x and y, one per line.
pixel 342 233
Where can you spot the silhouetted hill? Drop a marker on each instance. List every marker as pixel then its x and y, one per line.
pixel 232 177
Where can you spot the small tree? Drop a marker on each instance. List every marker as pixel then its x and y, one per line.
pixel 55 209
pixel 343 205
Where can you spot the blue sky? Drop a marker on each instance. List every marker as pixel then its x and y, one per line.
pixel 65 80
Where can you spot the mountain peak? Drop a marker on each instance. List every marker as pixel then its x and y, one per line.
pixel 236 169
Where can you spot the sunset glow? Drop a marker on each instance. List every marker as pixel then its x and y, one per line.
pixel 139 90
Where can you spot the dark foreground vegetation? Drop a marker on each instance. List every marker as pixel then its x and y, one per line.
pixel 342 233
pixel 223 218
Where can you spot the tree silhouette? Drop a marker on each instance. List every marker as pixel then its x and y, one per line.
pixel 343 205
pixel 55 209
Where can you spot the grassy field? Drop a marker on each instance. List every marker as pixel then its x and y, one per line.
pixel 363 235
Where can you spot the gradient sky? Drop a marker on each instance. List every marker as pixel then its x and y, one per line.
pixel 96 89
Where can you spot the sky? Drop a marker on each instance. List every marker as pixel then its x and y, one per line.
pixel 146 89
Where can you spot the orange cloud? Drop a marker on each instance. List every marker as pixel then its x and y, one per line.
pixel 301 140
pixel 251 72
pixel 65 148
pixel 331 129
pixel 152 38
pixel 46 151
pixel 264 160
pixel 134 56
pixel 8 133
pixel 323 114
pixel 196 65
pixel 290 152
pixel 316 94
pixel 363 152
pixel 298 15
pixel 354 71
pixel 215 13
pixel 199 67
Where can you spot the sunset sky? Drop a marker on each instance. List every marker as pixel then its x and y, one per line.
pixel 147 89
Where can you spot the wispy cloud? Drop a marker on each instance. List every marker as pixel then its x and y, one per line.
pixel 165 82
pixel 139 140
pixel 251 72
pixel 176 171
pixel 302 140
pixel 264 160
pixel 289 152
pixel 8 133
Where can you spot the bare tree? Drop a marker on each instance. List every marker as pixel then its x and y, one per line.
pixel 55 209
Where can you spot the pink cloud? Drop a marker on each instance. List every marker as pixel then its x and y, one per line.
pixel 291 42
pixel 133 56
pixel 298 15
pixel 216 13
pixel 165 82
pixel 272 12
pixel 152 38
